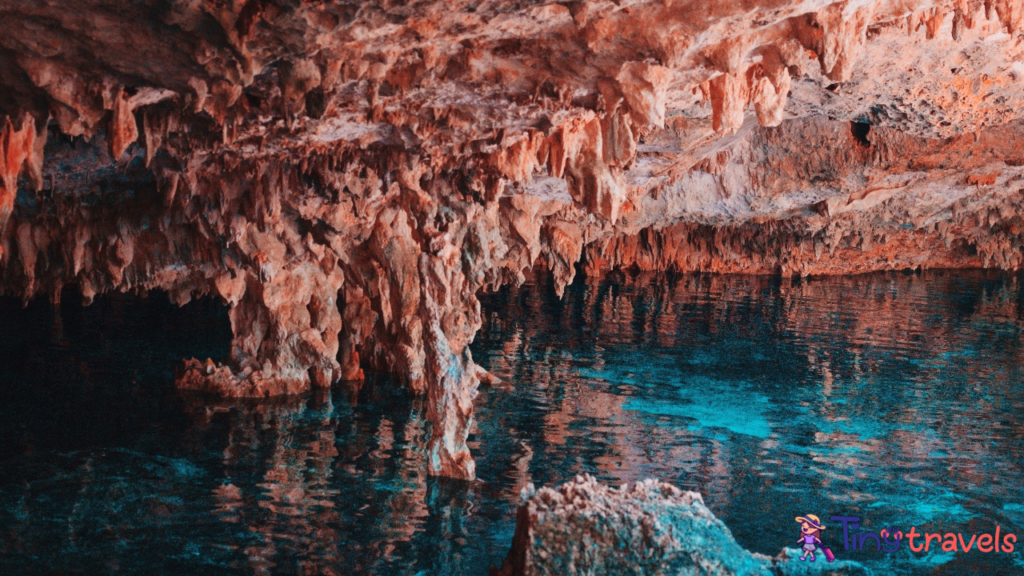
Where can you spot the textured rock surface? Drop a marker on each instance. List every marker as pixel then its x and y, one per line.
pixel 649 528
pixel 348 176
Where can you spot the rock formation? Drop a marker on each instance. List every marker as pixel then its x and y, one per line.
pixel 650 528
pixel 347 176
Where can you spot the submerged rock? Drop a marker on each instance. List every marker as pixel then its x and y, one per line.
pixel 649 528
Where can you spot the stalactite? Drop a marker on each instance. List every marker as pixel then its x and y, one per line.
pixel 347 183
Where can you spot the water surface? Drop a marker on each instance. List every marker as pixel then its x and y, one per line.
pixel 893 397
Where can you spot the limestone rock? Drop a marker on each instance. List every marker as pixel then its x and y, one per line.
pixel 649 528
pixel 348 177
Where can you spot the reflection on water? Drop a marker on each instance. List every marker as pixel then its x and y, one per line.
pixel 892 397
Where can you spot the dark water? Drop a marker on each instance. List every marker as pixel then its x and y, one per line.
pixel 896 398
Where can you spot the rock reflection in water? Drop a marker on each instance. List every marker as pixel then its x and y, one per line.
pixel 324 488
pixel 896 397
pixel 892 397
pixel 291 509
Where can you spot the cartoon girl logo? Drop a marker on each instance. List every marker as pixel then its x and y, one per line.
pixel 810 537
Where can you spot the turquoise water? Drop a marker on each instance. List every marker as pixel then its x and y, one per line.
pixel 893 397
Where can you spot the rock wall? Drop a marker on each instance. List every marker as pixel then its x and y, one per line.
pixel 349 176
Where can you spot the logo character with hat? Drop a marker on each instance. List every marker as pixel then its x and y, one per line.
pixel 810 532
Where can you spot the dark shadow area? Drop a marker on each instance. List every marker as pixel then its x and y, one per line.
pixel 106 469
pixel 860 131
pixel 76 377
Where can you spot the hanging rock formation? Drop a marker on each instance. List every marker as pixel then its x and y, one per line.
pixel 349 176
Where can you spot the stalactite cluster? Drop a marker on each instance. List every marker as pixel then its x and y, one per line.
pixel 347 177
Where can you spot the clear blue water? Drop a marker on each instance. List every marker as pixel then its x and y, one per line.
pixel 894 397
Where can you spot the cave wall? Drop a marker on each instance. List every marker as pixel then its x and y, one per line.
pixel 347 176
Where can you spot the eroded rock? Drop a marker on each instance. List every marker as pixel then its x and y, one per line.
pixel 348 178
pixel 649 528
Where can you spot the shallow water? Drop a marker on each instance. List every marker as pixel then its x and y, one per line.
pixel 893 397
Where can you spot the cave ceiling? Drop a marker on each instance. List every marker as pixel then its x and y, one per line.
pixel 348 176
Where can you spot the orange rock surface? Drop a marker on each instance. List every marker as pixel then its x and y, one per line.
pixel 347 177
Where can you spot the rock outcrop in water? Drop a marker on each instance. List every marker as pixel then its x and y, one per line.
pixel 650 528
pixel 348 176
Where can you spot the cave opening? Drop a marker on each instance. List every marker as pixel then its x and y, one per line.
pixel 75 376
pixel 860 131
